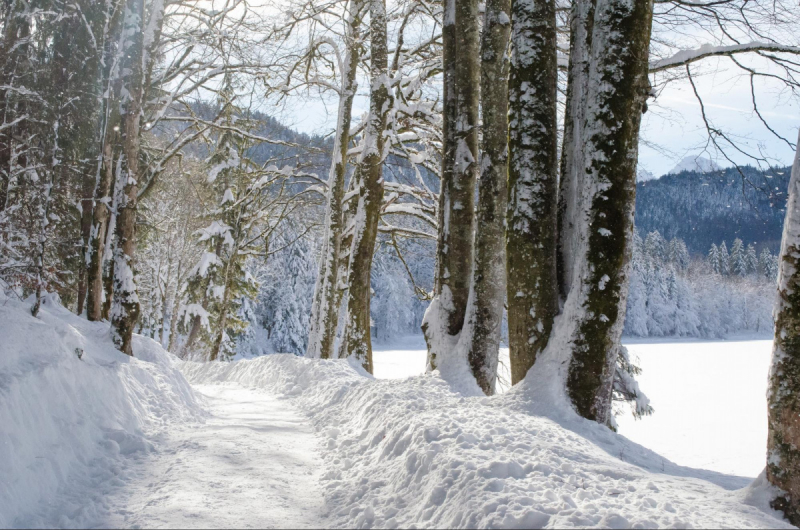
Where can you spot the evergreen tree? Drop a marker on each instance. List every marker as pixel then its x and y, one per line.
pixel 713 259
pixel 655 247
pixel 724 260
pixel 751 259
pixel 738 263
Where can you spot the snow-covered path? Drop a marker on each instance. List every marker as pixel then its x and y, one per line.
pixel 252 464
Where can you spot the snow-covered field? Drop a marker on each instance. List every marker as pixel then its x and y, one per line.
pixel 709 397
pixel 710 401
pixel 106 440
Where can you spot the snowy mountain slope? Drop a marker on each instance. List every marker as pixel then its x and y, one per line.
pixel 699 164
pixel 706 208
pixel 67 422
pixel 414 452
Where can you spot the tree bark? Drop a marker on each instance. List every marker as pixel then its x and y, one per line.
pixel 356 340
pixel 325 309
pixel 532 289
pixel 783 443
pixel 125 306
pixel 143 33
pixel 108 140
pixel 571 184
pixel 461 70
pixel 616 95
pixel 485 309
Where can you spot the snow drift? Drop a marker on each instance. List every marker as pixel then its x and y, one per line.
pixel 67 421
pixel 414 453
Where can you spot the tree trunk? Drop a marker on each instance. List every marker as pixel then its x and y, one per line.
pixel 108 140
pixel 356 340
pixel 325 310
pixel 143 38
pixel 616 95
pixel 444 318
pixel 570 203
pixel 485 310
pixel 125 306
pixel 532 289
pixel 783 444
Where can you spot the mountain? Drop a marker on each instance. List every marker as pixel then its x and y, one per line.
pixel 710 207
pixel 642 175
pixel 696 164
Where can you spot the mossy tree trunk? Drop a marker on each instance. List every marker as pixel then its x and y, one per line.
pixel 615 97
pixel 783 442
pixel 461 70
pixel 125 305
pixel 532 288
pixel 325 308
pixel 356 340
pixel 485 310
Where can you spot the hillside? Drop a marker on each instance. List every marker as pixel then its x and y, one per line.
pixel 706 208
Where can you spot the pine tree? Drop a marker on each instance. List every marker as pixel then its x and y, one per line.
pixel 738 263
pixel 655 247
pixel 724 260
pixel 751 260
pixel 713 259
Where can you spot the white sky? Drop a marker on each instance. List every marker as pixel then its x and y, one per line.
pixel 672 128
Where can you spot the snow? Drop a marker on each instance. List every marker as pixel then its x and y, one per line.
pixel 66 423
pixel 254 462
pixel 699 164
pixel 280 440
pixel 412 451
pixel 642 175
pixel 706 394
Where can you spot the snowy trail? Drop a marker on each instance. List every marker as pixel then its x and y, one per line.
pixel 253 464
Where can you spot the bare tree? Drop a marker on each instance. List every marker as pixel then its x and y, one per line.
pixel 356 340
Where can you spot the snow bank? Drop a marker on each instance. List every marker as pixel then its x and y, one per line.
pixel 414 453
pixel 65 421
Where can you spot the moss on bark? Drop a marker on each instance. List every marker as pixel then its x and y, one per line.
pixel 532 288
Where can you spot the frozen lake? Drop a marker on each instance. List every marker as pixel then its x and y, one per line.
pixel 709 398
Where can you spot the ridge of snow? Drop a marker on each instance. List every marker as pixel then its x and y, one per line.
pixel 415 452
pixel 65 420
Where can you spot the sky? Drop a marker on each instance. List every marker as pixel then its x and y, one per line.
pixel 672 129
pixel 674 122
